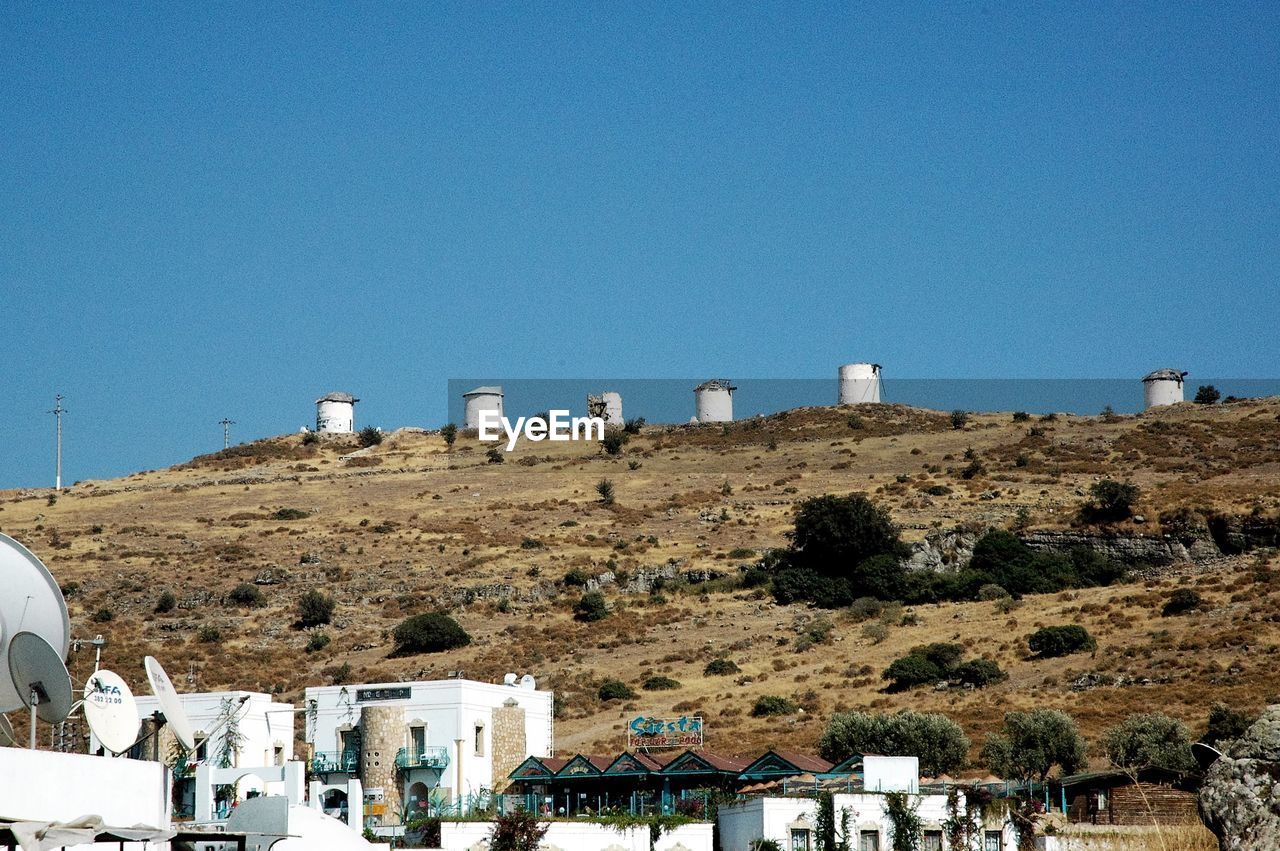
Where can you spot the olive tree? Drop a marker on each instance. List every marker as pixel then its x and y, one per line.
pixel 1030 744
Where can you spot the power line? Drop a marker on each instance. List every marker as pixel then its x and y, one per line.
pixel 57 412
pixel 226 431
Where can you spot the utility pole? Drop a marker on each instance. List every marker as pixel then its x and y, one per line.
pixel 58 411
pixel 226 431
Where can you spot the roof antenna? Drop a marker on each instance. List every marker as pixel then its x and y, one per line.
pixel 226 431
pixel 58 411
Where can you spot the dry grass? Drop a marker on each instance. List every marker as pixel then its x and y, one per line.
pixel 1174 838
pixel 424 528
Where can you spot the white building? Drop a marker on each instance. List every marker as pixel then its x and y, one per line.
pixel 1162 387
pixel 45 786
pixel 245 729
pixel 607 406
pixel 423 746
pixel 336 413
pixel 714 401
pixel 859 382
pixel 481 399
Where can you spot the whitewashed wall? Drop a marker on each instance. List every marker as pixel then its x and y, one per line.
pixel 582 836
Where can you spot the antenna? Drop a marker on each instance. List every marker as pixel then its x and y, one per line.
pixel 30 602
pixel 57 412
pixel 226 431
pixel 111 711
pixel 36 670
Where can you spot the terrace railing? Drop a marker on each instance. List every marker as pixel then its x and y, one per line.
pixel 429 757
pixel 329 762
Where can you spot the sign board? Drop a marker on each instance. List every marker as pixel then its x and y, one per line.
pixel 682 732
pixel 368 695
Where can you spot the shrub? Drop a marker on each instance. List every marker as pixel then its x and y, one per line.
pixel 1225 724
pixel 290 514
pixel 1181 601
pixel 959 419
pixel 531 544
pixel 1021 416
pixel 575 578
pixel 912 670
pixel 633 425
pixel 166 603
pixel 315 609
pixel 604 488
pixel 855 422
pixel 591 607
pixel 1207 394
pixel 832 532
pixel 937 741
pixel 209 634
pixel 614 440
pixel 494 455
pixel 979 673
pixel 660 684
pixel 772 704
pixel 1111 501
pixel 612 689
pixel 720 668
pixel 104 615
pixel 1054 641
pixel 518 830
pixel 431 632
pixel 310 438
pixel 370 436
pixel 937 490
pixel 991 591
pixel 450 434
pixel 317 642
pixel 247 594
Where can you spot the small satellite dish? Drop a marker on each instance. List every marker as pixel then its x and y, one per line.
pixel 111 711
pixel 1206 755
pixel 170 704
pixel 7 736
pixel 528 682
pixel 31 602
pixel 38 672
pixel 508 679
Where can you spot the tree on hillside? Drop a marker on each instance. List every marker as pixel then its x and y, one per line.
pixel 1111 501
pixel 1031 743
pixel 1225 724
pixel 1207 394
pixel 1149 740
pixel 834 533
pixel 315 609
pixel 935 739
pixel 429 633
pixel 450 434
pixel 370 436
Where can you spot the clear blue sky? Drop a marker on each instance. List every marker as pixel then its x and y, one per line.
pixel 228 209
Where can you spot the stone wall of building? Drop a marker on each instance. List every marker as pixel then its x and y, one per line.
pixel 509 746
pixel 382 734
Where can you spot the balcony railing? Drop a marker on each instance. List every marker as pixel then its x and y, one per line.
pixel 422 758
pixel 328 762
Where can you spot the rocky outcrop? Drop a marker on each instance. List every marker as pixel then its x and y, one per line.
pixel 944 549
pixel 1238 534
pixel 1157 550
pixel 1240 797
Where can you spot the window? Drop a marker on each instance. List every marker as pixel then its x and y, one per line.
pixel 932 841
pixel 993 841
pixel 799 840
pixel 479 740
pixel 202 748
pixel 278 754
pixel 418 741
pixel 869 840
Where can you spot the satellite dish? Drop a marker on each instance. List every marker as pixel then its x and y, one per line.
pixel 170 704
pixel 111 711
pixel 37 671
pixel 1206 755
pixel 528 682
pixel 7 736
pixel 31 602
pixel 508 679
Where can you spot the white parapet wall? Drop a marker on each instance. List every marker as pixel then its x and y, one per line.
pixel 583 836
pixel 49 786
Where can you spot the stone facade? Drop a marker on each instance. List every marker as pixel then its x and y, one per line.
pixel 382 735
pixel 509 748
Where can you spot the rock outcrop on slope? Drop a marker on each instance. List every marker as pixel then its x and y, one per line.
pixel 1240 798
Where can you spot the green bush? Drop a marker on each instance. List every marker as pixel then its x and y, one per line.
pixel 494 455
pixel 1182 601
pixel 431 632
pixel 317 642
pixel 104 615
pixel 1225 725
pixel 315 609
pixel 604 488
pixel 290 514
pixel 209 634
pixel 575 578
pixel 612 689
pixel 1032 743
pixel 1054 641
pixel 1149 740
pixel 370 436
pixel 450 434
pixel 979 673
pixel 633 425
pixel 591 607
pixel 938 742
pixel 959 419
pixel 1111 501
pixel 247 594
pixel 991 591
pixel 912 670
pixel 720 668
pixel 937 490
pixel 1207 394
pixel 772 704
pixel 166 603
pixel 660 684
pixel 614 440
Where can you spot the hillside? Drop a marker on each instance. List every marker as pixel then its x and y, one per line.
pixel 408 526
